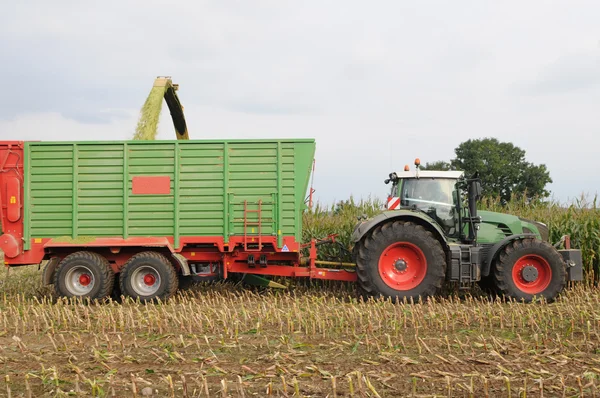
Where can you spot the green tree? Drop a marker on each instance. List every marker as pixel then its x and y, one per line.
pixel 502 168
pixel 437 165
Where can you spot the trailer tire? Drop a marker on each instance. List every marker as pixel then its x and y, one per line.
pixel 400 260
pixel 84 274
pixel 148 276
pixel 529 268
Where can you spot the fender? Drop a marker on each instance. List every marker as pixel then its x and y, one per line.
pixel 183 263
pixel 487 265
pixel 363 228
pixel 49 270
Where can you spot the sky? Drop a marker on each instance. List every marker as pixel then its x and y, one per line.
pixel 377 84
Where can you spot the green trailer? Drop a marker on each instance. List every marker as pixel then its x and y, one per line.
pixel 202 208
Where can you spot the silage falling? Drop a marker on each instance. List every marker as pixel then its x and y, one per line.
pixel 147 126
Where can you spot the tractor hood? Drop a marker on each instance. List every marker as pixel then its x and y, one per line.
pixel 496 226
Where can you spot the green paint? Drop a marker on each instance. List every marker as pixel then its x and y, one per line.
pixel 226 209
pixel 147 126
pixel 75 193
pixel 125 190
pixel 210 181
pixel 176 193
pixel 279 196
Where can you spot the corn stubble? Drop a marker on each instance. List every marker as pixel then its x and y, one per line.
pixel 227 340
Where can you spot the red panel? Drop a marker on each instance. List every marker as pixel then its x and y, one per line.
pixel 9 245
pixel 13 194
pixel 155 185
pixel 290 271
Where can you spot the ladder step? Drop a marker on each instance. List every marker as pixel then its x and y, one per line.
pixel 257 223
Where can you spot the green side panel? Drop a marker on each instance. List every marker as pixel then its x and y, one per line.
pixel 50 176
pixel 201 189
pixel 85 188
pixel 151 215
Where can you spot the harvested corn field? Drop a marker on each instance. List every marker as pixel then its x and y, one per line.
pixel 228 341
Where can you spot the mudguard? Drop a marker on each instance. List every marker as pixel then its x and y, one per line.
pixel 49 269
pixel 363 228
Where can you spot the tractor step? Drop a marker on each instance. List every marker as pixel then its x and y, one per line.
pixel 465 265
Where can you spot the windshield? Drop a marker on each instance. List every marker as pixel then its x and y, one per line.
pixel 428 192
pixel 436 197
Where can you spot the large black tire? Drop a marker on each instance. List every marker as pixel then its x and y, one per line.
pixel 84 274
pixel 514 273
pixel 387 258
pixel 148 276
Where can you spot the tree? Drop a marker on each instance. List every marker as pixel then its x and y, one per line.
pixel 437 165
pixel 502 168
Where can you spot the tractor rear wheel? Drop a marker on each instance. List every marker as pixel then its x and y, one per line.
pixel 400 260
pixel 148 276
pixel 84 274
pixel 529 268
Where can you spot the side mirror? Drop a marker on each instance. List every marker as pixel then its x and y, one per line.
pixel 478 189
pixel 475 186
pixel 387 181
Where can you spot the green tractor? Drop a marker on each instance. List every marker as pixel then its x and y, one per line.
pixel 432 233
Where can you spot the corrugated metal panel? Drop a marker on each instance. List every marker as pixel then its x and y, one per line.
pixel 209 183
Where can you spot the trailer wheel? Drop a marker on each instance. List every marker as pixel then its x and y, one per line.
pixel 529 268
pixel 400 260
pixel 84 274
pixel 148 276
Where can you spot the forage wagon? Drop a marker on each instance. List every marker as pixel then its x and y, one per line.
pixel 147 215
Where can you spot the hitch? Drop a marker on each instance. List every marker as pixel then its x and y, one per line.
pixel 312 261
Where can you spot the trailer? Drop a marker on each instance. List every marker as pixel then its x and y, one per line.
pixel 148 213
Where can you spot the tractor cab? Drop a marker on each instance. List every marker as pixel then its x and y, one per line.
pixel 440 195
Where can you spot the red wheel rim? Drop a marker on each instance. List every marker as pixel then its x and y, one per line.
pixel 402 266
pixel 84 279
pixel 149 279
pixel 532 274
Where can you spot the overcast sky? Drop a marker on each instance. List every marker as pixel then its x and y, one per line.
pixel 375 83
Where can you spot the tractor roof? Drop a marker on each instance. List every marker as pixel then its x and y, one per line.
pixel 430 174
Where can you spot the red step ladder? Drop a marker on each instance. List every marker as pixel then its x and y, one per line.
pixel 257 223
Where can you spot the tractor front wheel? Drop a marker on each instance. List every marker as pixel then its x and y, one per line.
pixel 529 268
pixel 400 260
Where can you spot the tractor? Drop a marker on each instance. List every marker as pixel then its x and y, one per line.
pixel 432 233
